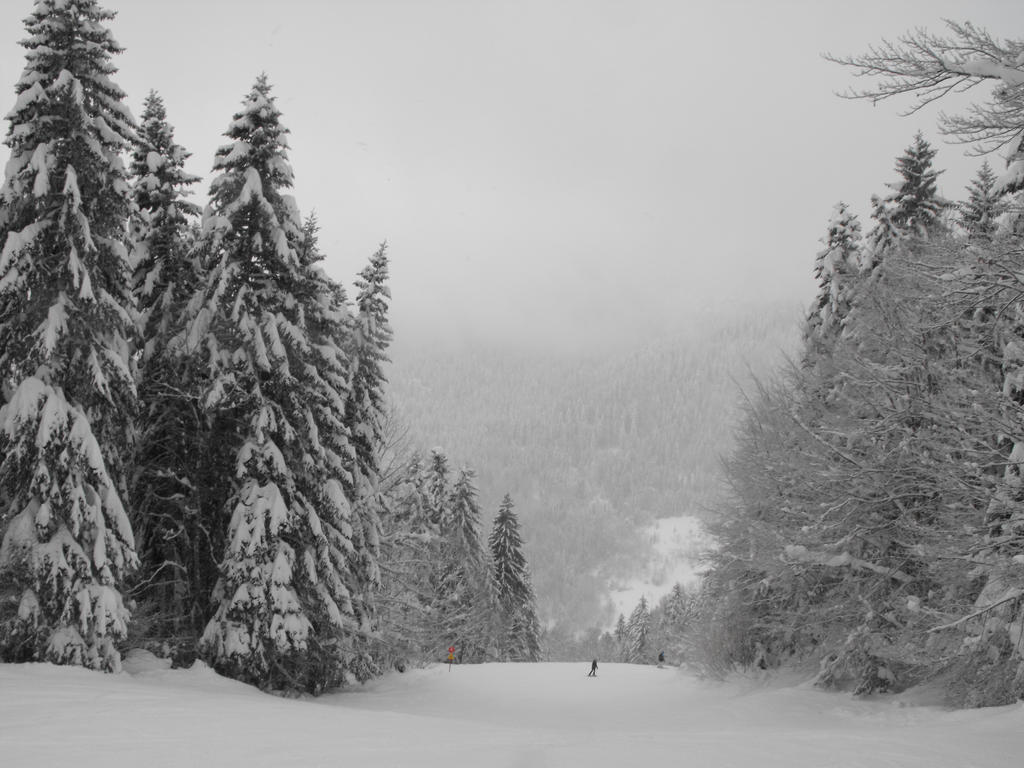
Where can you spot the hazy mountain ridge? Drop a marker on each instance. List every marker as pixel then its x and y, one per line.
pixel 591 446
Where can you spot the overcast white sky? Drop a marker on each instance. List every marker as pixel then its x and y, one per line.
pixel 574 169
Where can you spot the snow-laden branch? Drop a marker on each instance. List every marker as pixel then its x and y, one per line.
pixel 800 554
pixel 930 67
pixel 1010 596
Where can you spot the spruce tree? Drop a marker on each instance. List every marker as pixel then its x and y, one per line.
pixel 620 637
pixel 512 587
pixel 466 600
pixel 409 554
pixel 366 407
pixel 175 538
pixel 65 345
pixel 913 208
pixel 292 601
pixel 164 274
pixel 835 269
pixel 438 488
pixel 637 629
pixel 984 205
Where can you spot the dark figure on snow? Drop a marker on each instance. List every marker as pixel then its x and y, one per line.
pixel 661 657
pixel 593 669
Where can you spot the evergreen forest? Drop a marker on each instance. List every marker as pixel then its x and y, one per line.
pixel 194 417
pixel 594 447
pixel 201 453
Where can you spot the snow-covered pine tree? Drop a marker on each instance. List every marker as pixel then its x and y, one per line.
pixel 835 268
pixel 175 538
pixel 980 212
pixel 289 604
pixel 164 274
pixel 366 406
pixel 65 345
pixel 438 489
pixel 409 546
pixel 442 598
pixel 466 600
pixel 669 623
pixel 512 588
pixel 330 326
pixel 913 208
pixel 365 416
pixel 620 628
pixel 637 629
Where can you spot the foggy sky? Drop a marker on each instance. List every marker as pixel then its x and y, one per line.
pixel 581 171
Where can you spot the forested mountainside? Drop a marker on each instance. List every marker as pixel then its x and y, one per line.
pixel 592 446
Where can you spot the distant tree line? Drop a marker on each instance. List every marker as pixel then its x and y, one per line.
pixel 193 416
pixel 594 449
pixel 875 524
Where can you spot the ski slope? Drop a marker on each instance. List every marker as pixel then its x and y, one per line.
pixel 498 716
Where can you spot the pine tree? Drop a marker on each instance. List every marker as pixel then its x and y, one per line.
pixel 620 628
pixel 637 629
pixel 984 205
pixel 292 602
pixel 467 600
pixel 331 331
pixel 409 552
pixel 164 274
pixel 621 638
pixel 835 269
pixel 913 208
pixel 65 339
pixel 512 587
pixel 366 406
pixel 465 517
pixel 438 489
pixel 175 539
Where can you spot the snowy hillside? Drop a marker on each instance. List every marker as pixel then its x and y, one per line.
pixel 676 544
pixel 500 715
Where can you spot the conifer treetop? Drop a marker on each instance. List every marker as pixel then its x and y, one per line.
pixel 64 340
pixel 260 146
pixel 158 162
pixel 506 545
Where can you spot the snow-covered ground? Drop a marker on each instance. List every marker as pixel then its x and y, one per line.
pixel 498 716
pixel 676 546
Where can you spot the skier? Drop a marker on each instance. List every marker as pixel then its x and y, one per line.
pixel 661 657
pixel 593 669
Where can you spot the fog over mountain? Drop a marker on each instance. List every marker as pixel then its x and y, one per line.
pixel 592 443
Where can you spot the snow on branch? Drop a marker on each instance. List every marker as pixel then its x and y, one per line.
pixel 930 66
pixel 800 554
pixel 1010 596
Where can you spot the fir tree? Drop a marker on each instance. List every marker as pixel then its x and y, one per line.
pixel 620 628
pixel 466 599
pixel 984 205
pixel 164 273
pixel 637 629
pixel 409 553
pixel 512 587
pixel 438 489
pixel 175 538
pixel 677 606
pixel 465 517
pixel 913 208
pixel 835 269
pixel 65 344
pixel 292 601
pixel 621 637
pixel 366 406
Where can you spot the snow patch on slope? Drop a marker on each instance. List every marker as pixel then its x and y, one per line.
pixel 677 544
